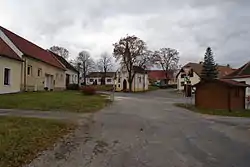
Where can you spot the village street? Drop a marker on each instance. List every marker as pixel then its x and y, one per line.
pixel 147 130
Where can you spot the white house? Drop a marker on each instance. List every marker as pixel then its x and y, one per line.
pixel 242 75
pixel 97 77
pixel 71 73
pixel 140 81
pixel 195 72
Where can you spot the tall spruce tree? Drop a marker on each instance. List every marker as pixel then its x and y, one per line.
pixel 209 69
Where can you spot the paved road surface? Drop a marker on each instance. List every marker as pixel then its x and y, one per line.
pixel 146 130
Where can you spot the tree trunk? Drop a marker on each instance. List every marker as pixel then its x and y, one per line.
pixel 84 74
pixel 130 81
pixel 166 75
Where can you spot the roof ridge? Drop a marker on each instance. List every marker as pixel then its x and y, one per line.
pixel 22 38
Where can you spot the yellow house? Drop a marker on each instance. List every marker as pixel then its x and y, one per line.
pixel 40 70
pixel 10 69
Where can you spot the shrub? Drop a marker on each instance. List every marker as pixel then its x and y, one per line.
pixel 73 87
pixel 88 90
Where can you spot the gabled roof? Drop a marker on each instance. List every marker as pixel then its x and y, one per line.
pixel 242 72
pixel 227 82
pixel 160 74
pixel 64 62
pixel 138 69
pixel 32 50
pixel 6 51
pixel 100 74
pixel 197 68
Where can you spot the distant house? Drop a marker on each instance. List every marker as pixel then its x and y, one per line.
pixel 220 94
pixel 40 70
pixel 140 81
pixel 242 74
pixel 195 72
pixel 71 74
pixel 10 68
pixel 96 77
pixel 160 77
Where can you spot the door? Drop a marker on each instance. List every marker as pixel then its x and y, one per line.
pixel 124 84
pixel 67 80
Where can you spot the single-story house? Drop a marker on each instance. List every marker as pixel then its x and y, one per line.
pixel 96 77
pixel 40 69
pixel 71 74
pixel 140 81
pixel 241 74
pixel 220 94
pixel 195 70
pixel 10 68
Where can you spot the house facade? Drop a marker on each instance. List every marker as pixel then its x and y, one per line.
pixel 194 71
pixel 40 70
pixel 140 81
pixel 160 77
pixel 10 69
pixel 96 77
pixel 71 73
pixel 242 75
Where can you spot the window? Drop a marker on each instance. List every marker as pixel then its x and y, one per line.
pixel 119 80
pixel 139 79
pixel 182 83
pixel 61 76
pixel 90 80
pixel 99 80
pixel 56 75
pixel 183 75
pixel 6 76
pixel 29 72
pixel 39 72
pixel 108 80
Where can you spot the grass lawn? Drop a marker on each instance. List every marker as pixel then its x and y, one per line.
pixel 245 113
pixel 72 101
pixel 152 88
pixel 22 138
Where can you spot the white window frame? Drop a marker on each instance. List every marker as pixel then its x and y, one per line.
pixel 9 81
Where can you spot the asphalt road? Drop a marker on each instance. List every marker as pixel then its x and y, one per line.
pixel 147 130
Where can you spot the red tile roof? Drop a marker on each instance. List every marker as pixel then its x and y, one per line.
pixel 197 68
pixel 242 72
pixel 6 51
pixel 32 50
pixel 159 74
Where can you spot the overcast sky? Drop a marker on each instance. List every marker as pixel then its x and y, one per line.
pixel 94 25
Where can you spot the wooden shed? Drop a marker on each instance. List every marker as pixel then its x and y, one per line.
pixel 220 94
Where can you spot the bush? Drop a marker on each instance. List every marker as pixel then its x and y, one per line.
pixel 88 90
pixel 73 87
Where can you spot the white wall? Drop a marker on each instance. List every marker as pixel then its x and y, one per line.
pixel 73 76
pixel 194 80
pixel 247 80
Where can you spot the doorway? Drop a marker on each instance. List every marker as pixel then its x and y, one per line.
pixel 124 85
pixel 67 80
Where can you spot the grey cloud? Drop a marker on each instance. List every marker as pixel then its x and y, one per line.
pixel 187 25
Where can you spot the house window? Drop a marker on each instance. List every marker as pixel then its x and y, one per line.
pixel 183 75
pixel 99 80
pixel 139 79
pixel 61 76
pixel 29 72
pixel 6 76
pixel 119 80
pixel 90 80
pixel 108 80
pixel 39 72
pixel 182 83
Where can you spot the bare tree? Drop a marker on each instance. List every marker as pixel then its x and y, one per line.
pixel 86 64
pixel 60 51
pixel 132 51
pixel 167 59
pixel 105 64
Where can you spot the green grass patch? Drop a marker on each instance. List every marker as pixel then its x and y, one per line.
pixel 73 101
pixel 21 139
pixel 152 88
pixel 244 113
